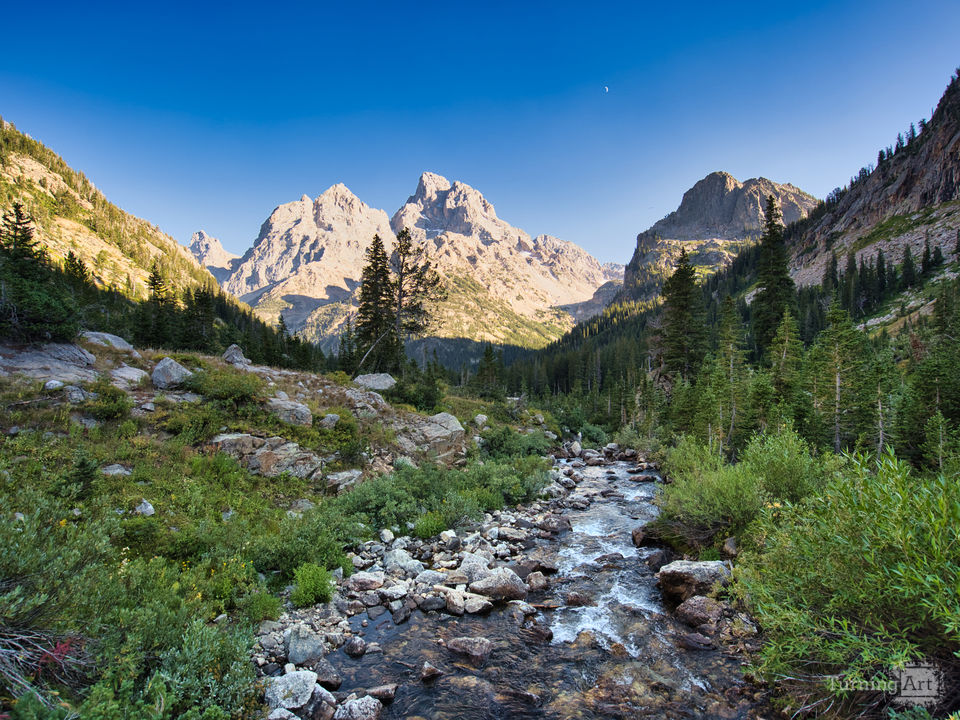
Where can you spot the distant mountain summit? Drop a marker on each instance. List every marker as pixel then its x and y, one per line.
pixel 503 286
pixel 714 220
pixel 209 252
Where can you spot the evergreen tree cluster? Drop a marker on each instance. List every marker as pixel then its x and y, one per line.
pixel 41 300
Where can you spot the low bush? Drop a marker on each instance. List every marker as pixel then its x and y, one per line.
pixel 505 442
pixel 312 584
pixel 260 605
pixel 857 579
pixel 110 403
pixel 231 388
pixel 429 524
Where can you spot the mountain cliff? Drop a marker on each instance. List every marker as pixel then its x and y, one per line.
pixel 716 218
pixel 503 286
pixel 911 197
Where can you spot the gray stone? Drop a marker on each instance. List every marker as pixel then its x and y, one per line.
pixel 400 560
pixel 480 420
pixel 429 672
pixel 431 577
pixel 52 385
pixel 116 469
pixel 343 479
pixel 281 714
pixel 57 361
pixel 355 647
pixel 375 381
pixel 477 649
pixel 126 376
pixel 104 339
pixel 290 412
pixel 362 581
pixel 291 691
pixel 329 421
pixel 234 356
pixel 386 535
pixel 474 566
pixel 168 373
pixel 145 508
pixel 699 610
pixel 501 584
pixel 303 645
pixel 575 449
pixel 683 579
pixel 364 708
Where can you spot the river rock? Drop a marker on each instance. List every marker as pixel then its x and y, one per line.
pixel 501 584
pixel 683 579
pixel 699 610
pixel 429 672
pixel 399 560
pixel 362 581
pixel 474 566
pixel 322 704
pixel 695 641
pixel 290 412
pixel 537 581
pixel 355 647
pixel 303 645
pixel 168 374
pixel 477 649
pixel 365 708
pixel 383 693
pixel 291 691
pixel 327 675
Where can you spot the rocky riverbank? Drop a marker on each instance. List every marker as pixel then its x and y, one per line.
pixel 423 618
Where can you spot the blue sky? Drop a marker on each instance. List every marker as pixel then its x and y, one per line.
pixel 209 118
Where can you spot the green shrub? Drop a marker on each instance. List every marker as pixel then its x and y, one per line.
pixel 505 442
pixel 110 403
pixel 317 536
pixel 312 584
pixel 228 387
pixel 260 605
pixel 858 578
pixel 429 524
pixel 785 465
pixel 194 423
pixel 593 435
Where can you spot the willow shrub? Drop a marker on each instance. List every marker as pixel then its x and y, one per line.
pixel 858 578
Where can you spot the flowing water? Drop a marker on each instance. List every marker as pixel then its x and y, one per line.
pixel 614 658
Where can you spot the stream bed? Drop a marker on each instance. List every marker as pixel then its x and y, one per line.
pixel 602 644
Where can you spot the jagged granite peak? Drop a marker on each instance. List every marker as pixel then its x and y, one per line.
pixel 714 220
pixel 210 253
pixel 527 277
pixel 307 242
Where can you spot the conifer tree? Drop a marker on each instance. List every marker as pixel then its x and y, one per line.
pixel 786 355
pixel 377 339
pixel 908 269
pixel 683 327
pixel 776 291
pixel 733 360
pixel 416 287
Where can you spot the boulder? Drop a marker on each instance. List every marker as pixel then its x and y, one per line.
pixel 145 508
pixel 304 646
pixel 400 560
pixel 363 581
pixel 327 675
pixel 234 356
pixel 474 566
pixel 126 376
pixel 104 339
pixel 575 448
pixel 168 374
pixel 57 361
pixel 375 381
pixel 501 584
pixel 477 649
pixel 383 693
pixel 341 480
pixel 329 421
pixel 364 708
pixel 480 420
pixel 291 691
pixel 699 610
pixel 683 579
pixel 116 469
pixel 355 647
pixel 290 412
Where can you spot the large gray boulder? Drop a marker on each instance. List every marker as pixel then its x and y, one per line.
pixel 303 645
pixel 400 560
pixel 501 584
pixel 104 339
pixel 682 579
pixel 342 480
pixel 477 649
pixel 375 381
pixel 234 356
pixel 291 691
pixel 168 374
pixel 51 361
pixel 126 376
pixel 290 412
pixel 364 708
pixel 475 567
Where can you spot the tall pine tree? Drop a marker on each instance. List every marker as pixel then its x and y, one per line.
pixel 776 289
pixel 683 314
pixel 377 341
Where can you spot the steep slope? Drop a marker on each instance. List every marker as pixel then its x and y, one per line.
pixel 911 197
pixel 72 215
pixel 308 255
pixel 210 253
pixel 716 218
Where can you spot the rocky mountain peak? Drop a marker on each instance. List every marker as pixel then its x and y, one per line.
pixel 210 252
